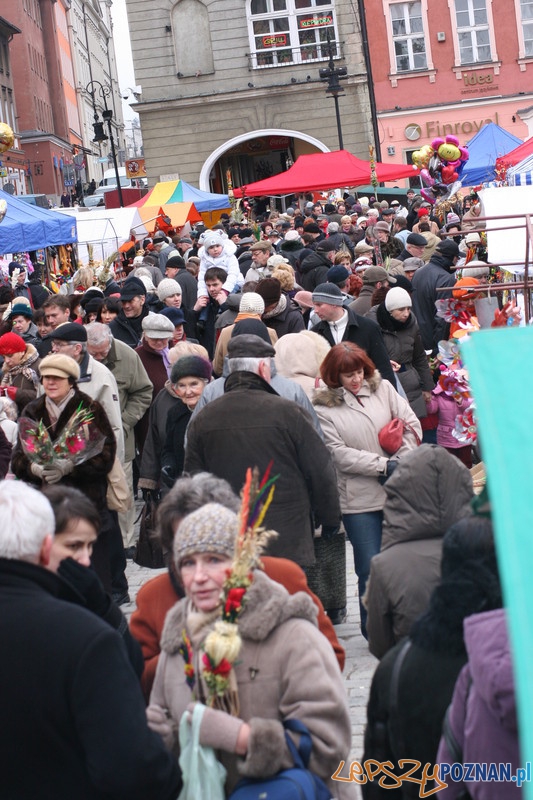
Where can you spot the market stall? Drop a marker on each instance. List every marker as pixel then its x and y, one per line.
pixel 484 149
pixel 26 228
pixel 208 205
pixel 105 229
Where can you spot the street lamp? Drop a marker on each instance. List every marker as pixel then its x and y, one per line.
pixel 99 133
pixel 333 75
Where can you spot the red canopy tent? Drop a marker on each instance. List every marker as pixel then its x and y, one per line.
pixel 325 171
pixel 515 156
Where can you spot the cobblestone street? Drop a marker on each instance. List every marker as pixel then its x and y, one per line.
pixel 360 664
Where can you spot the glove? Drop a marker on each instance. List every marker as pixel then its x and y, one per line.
pixel 392 463
pixel 37 470
pixel 150 495
pixel 87 583
pixel 159 722
pixel 168 476
pixel 57 470
pixel 218 729
pixel 329 531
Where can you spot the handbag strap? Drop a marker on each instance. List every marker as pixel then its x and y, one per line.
pixel 415 434
pixel 302 753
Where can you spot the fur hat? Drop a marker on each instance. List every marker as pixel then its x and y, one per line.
pixel 11 343
pixel 397 298
pixel 270 290
pixel 71 332
pixel 191 367
pixel 210 529
pixel 168 287
pixel 252 303
pixel 156 326
pixel 59 366
pixel 328 293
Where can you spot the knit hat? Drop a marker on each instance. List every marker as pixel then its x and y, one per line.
pixel 326 246
pixel 337 274
pixel 374 274
pixel 148 283
pixel 191 367
pixel 21 310
pixel 382 226
pixel 328 293
pixel 262 245
pixel 475 269
pixel 175 262
pixel 59 366
pixel 473 238
pixel 211 239
pixel 397 298
pixel 422 212
pixel 11 343
pixel 416 239
pixel 249 345
pixel 167 287
pixel 464 288
pixel 362 263
pixel 251 327
pixel 311 227
pixel 292 236
pixel 210 529
pixel 175 315
pixel 448 248
pixel 71 332
pixel 270 290
pixel 333 227
pixel 132 287
pixel 412 264
pixel 252 303
pixel 452 219
pixel 156 326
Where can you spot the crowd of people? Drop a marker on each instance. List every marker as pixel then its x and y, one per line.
pixel 298 346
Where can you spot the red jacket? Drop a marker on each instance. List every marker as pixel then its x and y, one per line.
pixel 158 596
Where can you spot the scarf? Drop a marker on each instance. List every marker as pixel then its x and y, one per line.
pixel 387 321
pixel 280 307
pixel 24 369
pixel 56 409
pixel 199 625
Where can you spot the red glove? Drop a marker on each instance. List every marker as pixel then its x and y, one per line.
pixel 11 392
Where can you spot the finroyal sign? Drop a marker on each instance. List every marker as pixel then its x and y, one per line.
pixel 437 127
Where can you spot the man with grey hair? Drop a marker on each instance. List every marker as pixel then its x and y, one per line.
pixel 71 705
pixel 251 425
pixel 135 395
pixel 70 339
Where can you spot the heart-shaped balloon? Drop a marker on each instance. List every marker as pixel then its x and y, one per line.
pixel 428 196
pixel 449 175
pixel 426 178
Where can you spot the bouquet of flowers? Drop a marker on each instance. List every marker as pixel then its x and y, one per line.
pixel 79 441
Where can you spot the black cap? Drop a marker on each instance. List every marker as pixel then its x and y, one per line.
pixel 247 345
pixel 252 327
pixel 449 248
pixel 70 332
pixel 417 239
pixel 176 262
pixel 132 287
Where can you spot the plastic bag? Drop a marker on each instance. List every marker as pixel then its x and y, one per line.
pixel 203 775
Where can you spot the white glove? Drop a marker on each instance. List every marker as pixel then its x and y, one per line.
pixel 57 470
pixel 37 470
pixel 159 722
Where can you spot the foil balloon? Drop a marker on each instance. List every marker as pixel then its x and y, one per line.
pixel 3 209
pixel 7 137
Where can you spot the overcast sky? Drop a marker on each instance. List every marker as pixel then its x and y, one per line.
pixel 126 76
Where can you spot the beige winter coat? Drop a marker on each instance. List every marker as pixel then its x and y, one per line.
pixel 299 356
pixel 351 425
pixel 286 669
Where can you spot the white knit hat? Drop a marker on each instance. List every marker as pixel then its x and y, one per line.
pixel 167 287
pixel 252 303
pixel 397 298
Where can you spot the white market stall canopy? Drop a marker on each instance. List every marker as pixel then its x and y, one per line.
pixel 522 173
pixel 505 246
pixel 106 229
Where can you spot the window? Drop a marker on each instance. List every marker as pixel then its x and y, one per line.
pixel 291 31
pixel 526 9
pixel 408 36
pixel 472 31
pixel 192 39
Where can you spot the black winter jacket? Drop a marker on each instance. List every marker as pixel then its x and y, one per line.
pixel 426 280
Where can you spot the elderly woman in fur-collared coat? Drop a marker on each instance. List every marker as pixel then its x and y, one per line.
pixel 352 411
pixel 285 668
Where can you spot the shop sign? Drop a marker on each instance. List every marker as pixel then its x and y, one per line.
pixel 135 168
pixel 436 127
pixel 279 40
pixel 314 22
pixel 278 142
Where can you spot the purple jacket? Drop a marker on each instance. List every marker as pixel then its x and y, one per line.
pixel 447 410
pixel 483 709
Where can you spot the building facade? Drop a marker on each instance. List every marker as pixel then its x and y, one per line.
pixel 232 88
pixel 13 163
pixel 448 68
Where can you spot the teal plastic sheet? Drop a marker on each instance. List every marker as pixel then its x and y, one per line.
pixel 500 365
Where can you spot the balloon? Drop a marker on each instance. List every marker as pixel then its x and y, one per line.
pixel 426 194
pixel 7 137
pixel 449 152
pixel 421 157
pixel 427 179
pixel 449 175
pixel 465 155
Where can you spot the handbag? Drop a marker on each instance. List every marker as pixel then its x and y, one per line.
pixel 203 775
pixel 119 496
pixel 391 435
pixel 296 783
pixel 148 550
pixel 327 576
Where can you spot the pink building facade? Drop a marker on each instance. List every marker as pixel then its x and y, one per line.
pixel 448 68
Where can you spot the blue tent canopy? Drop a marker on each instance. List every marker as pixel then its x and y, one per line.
pixel 487 145
pixel 26 227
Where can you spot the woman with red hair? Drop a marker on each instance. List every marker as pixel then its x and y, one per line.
pixel 353 409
